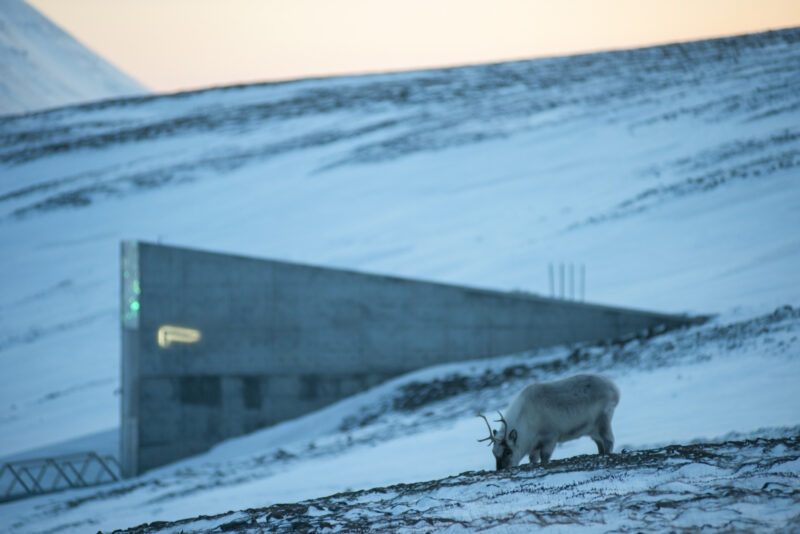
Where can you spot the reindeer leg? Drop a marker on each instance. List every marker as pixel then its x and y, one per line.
pixel 601 449
pixel 604 435
pixel 546 450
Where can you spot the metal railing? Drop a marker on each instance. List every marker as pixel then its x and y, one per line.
pixel 26 478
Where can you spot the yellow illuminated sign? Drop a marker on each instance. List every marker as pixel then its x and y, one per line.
pixel 169 334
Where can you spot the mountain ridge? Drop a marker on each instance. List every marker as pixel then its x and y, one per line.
pixel 44 67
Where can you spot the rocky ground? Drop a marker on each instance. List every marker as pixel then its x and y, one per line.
pixel 738 485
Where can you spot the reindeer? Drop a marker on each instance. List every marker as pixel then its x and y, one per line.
pixel 546 413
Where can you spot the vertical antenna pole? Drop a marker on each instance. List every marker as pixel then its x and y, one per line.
pixel 571 281
pixel 583 282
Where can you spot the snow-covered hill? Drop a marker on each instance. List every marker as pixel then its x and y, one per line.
pixel 732 379
pixel 41 66
pixel 670 172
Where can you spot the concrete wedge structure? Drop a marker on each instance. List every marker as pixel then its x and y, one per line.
pixel 215 345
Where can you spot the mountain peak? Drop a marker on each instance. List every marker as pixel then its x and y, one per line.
pixel 42 66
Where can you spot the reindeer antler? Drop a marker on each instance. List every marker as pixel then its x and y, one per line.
pixel 491 435
pixel 505 424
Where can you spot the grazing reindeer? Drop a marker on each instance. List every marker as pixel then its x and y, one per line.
pixel 546 413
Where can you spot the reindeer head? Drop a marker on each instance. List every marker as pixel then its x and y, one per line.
pixel 503 447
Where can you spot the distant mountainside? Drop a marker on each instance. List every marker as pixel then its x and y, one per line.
pixel 672 173
pixel 42 66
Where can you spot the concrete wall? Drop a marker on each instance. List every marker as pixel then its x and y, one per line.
pixel 278 340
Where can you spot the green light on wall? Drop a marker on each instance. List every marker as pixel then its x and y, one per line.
pixel 131 286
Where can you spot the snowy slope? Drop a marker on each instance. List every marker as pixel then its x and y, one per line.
pixel 41 66
pixel 681 387
pixel 740 486
pixel 671 172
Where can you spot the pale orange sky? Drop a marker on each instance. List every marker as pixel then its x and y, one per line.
pixel 172 45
